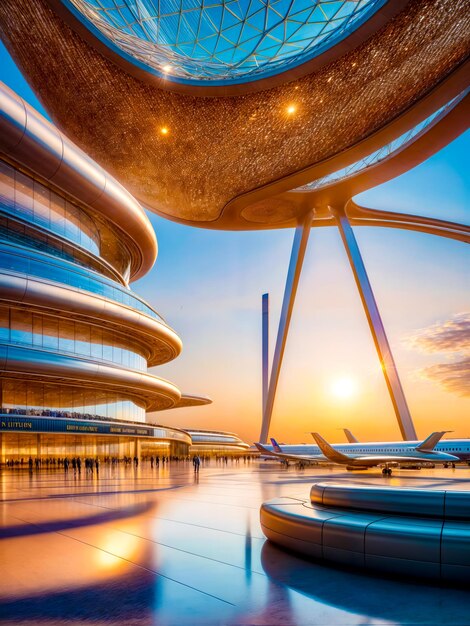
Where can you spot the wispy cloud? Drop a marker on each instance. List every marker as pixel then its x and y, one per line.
pixel 453 377
pixel 453 338
pixel 452 335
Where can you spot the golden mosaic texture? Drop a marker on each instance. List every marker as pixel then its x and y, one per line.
pixel 215 149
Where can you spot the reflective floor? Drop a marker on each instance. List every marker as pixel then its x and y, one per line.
pixel 164 547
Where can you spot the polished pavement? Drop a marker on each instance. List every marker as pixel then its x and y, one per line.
pixel 164 546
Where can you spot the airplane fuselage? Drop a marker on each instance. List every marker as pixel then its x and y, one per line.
pixel 456 447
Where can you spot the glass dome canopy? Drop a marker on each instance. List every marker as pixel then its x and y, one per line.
pixel 221 42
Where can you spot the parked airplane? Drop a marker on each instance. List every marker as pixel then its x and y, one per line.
pixel 457 447
pixel 365 455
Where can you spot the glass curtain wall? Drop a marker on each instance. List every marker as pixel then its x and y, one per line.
pixel 48 400
pixel 68 336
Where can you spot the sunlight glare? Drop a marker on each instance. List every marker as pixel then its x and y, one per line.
pixel 343 388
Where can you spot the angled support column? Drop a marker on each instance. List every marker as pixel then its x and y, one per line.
pixel 265 348
pixel 299 246
pixel 376 327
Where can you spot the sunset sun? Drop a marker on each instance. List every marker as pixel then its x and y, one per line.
pixel 343 388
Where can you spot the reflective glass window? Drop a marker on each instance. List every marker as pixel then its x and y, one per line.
pixel 21 326
pixel 4 324
pixel 41 205
pixel 50 333
pixel 24 194
pixel 66 335
pixel 49 400
pixel 73 276
pixel 69 336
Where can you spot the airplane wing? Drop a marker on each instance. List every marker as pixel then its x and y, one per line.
pixel 290 457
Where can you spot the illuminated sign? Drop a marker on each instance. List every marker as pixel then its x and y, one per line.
pixel 57 425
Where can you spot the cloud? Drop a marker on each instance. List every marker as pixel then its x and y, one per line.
pixel 453 377
pixel 452 335
pixel 453 338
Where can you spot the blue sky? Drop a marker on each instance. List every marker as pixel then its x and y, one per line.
pixel 208 285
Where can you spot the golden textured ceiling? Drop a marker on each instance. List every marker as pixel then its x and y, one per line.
pixel 216 149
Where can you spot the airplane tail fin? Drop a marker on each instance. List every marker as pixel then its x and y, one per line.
pixel 275 445
pixel 430 442
pixel 264 450
pixel 329 451
pixel 349 436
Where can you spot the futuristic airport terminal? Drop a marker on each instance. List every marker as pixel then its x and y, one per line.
pixel 232 115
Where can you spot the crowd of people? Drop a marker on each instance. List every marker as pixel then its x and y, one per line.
pixel 92 464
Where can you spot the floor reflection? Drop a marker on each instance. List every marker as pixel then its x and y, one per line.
pixel 152 547
pixel 371 596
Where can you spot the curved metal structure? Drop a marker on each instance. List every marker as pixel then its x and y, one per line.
pixel 75 341
pixel 411 532
pixel 203 160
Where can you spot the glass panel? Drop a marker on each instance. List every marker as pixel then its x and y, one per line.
pixel 41 204
pixel 37 330
pixel 21 327
pixel 51 333
pixel 96 342
pixel 24 194
pixel 82 339
pixel 7 175
pixel 66 335
pixel 4 324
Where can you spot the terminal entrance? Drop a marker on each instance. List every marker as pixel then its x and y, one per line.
pixel 20 446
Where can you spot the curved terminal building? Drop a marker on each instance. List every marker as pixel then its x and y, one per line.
pixel 75 341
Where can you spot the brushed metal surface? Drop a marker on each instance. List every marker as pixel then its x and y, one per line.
pixel 37 145
pixel 391 541
pixel 386 500
pixel 163 343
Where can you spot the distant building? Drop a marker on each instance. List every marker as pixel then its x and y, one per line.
pixel 216 442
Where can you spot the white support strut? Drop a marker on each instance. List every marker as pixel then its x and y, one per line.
pixel 376 326
pixel 299 247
